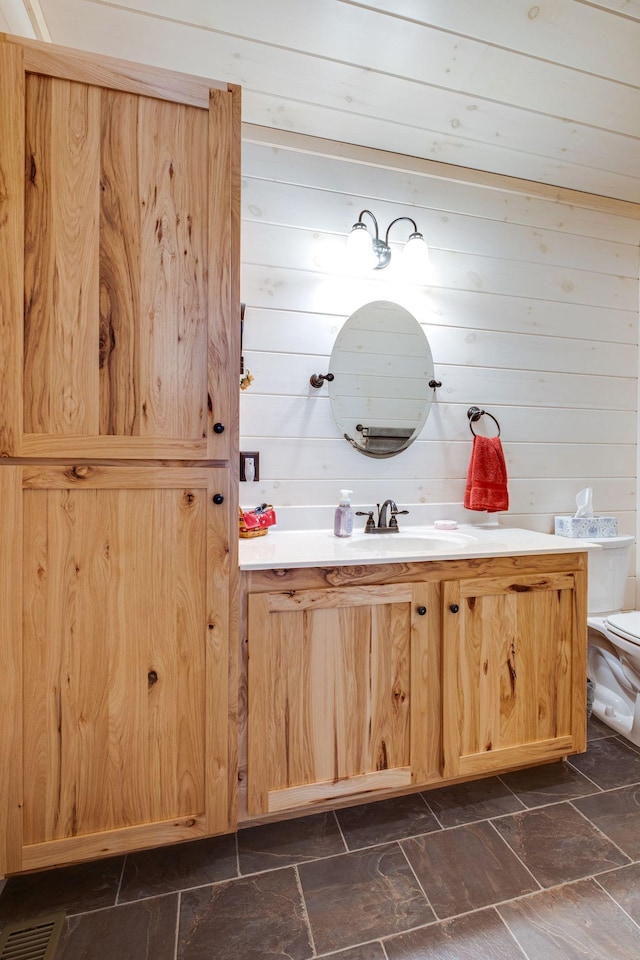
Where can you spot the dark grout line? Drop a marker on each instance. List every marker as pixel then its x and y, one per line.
pixel 339 826
pixel 128 903
pixel 175 951
pixel 601 832
pixel 305 910
pixel 612 898
pixel 627 743
pixel 417 879
pixel 516 855
pixel 124 863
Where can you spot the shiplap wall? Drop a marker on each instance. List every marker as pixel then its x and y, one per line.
pixel 548 91
pixel 531 312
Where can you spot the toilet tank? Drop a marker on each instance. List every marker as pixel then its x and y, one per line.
pixel 608 572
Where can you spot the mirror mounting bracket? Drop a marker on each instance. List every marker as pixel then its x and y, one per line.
pixel 317 379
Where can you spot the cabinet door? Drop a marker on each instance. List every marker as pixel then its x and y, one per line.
pixel 118 260
pixel 514 674
pixel 122 596
pixel 342 694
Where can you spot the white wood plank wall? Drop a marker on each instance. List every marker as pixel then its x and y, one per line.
pixel 548 91
pixel 531 313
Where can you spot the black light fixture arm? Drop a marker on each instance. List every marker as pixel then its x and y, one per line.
pixel 397 220
pixel 381 248
pixel 375 222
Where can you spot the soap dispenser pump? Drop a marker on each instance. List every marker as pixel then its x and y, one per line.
pixel 343 522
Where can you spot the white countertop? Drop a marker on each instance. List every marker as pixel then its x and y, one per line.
pixel 320 548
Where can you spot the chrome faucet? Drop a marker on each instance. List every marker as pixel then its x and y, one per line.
pixel 383 525
pixel 382 514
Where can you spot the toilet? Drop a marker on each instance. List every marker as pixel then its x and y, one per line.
pixel 614 638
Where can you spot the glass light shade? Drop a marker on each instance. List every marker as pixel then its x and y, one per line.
pixel 415 256
pixel 360 248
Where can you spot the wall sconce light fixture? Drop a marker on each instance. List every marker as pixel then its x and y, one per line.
pixel 373 252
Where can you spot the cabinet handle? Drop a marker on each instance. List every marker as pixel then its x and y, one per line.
pixel 218 428
pixel 218 498
pixel 454 607
pixel 421 611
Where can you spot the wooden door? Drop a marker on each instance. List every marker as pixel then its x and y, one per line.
pixel 514 673
pixel 342 693
pixel 118 259
pixel 120 585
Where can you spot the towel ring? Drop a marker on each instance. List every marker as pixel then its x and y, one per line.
pixel 474 414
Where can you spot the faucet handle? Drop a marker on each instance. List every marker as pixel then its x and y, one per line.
pixel 369 525
pixel 393 523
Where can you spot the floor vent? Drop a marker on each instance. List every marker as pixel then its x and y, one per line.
pixel 34 939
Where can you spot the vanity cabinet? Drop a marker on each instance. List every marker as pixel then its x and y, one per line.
pixel 343 692
pixel 513 679
pixel 119 352
pixel 374 680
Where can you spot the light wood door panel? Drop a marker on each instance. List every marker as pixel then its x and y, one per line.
pixel 124 230
pixel 119 342
pixel 513 671
pixel 125 653
pixel 331 701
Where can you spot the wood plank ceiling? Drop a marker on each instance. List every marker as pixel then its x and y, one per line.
pixel 548 92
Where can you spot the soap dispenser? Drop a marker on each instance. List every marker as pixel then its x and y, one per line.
pixel 343 523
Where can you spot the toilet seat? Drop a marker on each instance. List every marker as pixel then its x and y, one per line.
pixel 626 625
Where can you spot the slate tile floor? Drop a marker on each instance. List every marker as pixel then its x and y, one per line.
pixel 543 864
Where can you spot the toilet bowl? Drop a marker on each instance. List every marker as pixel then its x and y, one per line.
pixel 614 638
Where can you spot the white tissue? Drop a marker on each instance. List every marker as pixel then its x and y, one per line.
pixel 584 503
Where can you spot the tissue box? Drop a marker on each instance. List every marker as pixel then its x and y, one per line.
pixel 586 527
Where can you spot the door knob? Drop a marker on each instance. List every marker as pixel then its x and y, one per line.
pixel 454 607
pixel 421 611
pixel 218 498
pixel 218 428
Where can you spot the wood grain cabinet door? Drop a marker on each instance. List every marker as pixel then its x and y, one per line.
pixel 342 693
pixel 118 260
pixel 514 675
pixel 122 600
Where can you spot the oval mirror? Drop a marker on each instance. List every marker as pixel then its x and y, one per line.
pixel 382 365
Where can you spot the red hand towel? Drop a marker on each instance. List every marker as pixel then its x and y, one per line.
pixel 487 476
